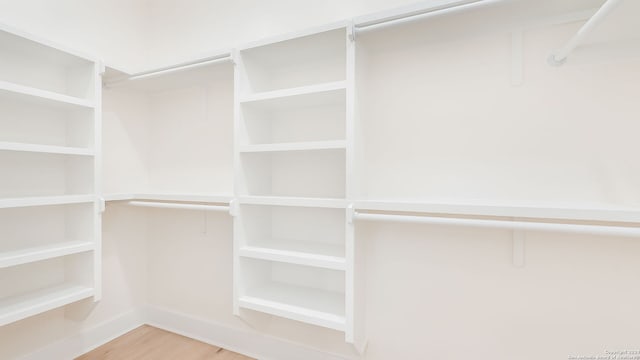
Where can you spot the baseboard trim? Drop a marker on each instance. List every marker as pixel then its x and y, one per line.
pixel 89 339
pixel 250 343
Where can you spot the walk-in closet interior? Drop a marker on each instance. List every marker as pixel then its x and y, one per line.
pixel 362 179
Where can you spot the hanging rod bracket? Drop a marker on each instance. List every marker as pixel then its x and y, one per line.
pixel 351 214
pixel 351 32
pixel 553 60
pixel 233 207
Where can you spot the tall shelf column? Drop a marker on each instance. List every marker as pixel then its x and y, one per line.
pixel 50 227
pixel 293 248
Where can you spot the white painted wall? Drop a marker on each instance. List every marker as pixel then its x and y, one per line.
pixel 113 30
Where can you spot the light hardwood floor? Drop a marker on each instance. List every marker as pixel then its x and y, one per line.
pixel 149 343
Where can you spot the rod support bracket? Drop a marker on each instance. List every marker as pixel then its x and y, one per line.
pixel 553 61
pixel 351 213
pixel 233 207
pixel 351 32
pixel 101 204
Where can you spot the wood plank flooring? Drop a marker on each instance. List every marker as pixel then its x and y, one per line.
pixel 149 343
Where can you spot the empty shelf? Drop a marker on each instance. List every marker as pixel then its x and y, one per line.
pixel 564 211
pixel 11 90
pixel 16 308
pixel 200 198
pixel 324 88
pixel 47 149
pixel 45 200
pixel 293 201
pixel 37 253
pixel 295 146
pixel 298 252
pixel 312 306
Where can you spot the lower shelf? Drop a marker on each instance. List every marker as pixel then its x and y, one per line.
pixel 316 307
pixel 19 307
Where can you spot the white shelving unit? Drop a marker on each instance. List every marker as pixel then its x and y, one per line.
pixel 292 246
pixel 50 227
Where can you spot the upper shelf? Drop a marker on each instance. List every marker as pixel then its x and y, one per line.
pixel 45 201
pixel 42 49
pixel 294 62
pixel 318 94
pixel 585 212
pixel 16 91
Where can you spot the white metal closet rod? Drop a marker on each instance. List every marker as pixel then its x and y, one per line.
pixel 504 224
pixel 167 205
pixel 174 68
pixel 442 8
pixel 559 56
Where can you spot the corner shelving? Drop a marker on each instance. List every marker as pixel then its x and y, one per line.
pixel 50 227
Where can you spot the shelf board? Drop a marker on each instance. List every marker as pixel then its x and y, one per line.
pixel 297 252
pixel 312 306
pixel 293 201
pixel 201 198
pixel 578 212
pixel 12 90
pixel 330 87
pixel 46 149
pixel 46 200
pixel 295 146
pixel 38 253
pixel 16 308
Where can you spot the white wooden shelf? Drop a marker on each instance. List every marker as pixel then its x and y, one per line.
pixel 330 87
pixel 295 146
pixel 297 252
pixel 45 201
pixel 38 253
pixel 46 149
pixel 16 308
pixel 321 308
pixel 201 198
pixel 15 91
pixel 579 212
pixel 293 201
